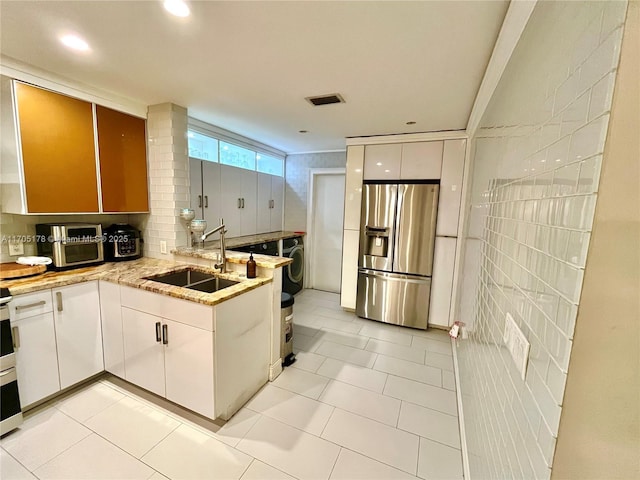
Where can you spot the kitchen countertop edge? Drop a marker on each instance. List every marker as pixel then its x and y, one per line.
pixel 132 274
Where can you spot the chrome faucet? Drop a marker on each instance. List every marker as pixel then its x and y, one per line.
pixel 223 255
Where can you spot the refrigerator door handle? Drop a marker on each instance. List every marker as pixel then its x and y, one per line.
pixel 395 276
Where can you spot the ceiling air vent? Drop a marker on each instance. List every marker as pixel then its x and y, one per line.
pixel 325 99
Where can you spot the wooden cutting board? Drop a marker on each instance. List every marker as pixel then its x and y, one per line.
pixel 15 270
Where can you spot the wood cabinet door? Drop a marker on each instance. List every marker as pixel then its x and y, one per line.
pixel 78 332
pixel 58 151
pixel 123 161
pixel 188 366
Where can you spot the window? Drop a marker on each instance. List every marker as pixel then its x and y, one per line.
pixel 202 147
pixel 237 156
pixel 270 165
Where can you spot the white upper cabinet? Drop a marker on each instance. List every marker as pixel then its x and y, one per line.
pixel 238 200
pixel 353 187
pixel 269 203
pixel 195 182
pixel 382 162
pixel 211 193
pixel 403 161
pixel 421 161
pixel 450 188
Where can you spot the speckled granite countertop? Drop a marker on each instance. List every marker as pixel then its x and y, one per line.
pixel 253 239
pixel 265 261
pixel 132 274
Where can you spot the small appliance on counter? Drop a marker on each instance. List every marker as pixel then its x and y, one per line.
pixel 122 242
pixel 70 245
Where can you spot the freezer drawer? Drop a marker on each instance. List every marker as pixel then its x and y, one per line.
pixel 393 298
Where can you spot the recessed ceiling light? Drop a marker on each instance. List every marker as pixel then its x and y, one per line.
pixel 379 164
pixel 177 8
pixel 303 131
pixel 74 42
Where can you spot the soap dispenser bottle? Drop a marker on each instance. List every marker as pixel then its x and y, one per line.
pixel 251 266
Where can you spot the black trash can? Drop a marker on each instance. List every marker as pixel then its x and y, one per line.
pixel 286 329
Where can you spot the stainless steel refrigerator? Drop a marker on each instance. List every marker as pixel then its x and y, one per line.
pixel 397 236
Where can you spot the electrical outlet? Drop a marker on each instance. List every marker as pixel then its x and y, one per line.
pixel 517 344
pixel 16 248
pixel 163 246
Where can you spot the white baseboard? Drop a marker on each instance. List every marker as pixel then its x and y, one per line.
pixel 463 436
pixel 275 370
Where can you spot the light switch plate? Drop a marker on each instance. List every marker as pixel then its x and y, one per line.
pixel 16 248
pixel 517 344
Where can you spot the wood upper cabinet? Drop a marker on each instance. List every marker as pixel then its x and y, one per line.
pixel 123 161
pixel 59 160
pixel 58 151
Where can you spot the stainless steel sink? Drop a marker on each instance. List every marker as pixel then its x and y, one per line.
pixel 194 280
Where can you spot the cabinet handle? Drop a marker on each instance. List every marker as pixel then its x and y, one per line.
pixel 15 332
pixel 243 203
pixel 158 339
pixel 165 334
pixel 30 305
pixel 206 201
pixel 59 300
pixel 239 203
pixel 199 201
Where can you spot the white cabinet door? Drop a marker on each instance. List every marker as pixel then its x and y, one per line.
pixel 188 366
pixel 195 182
pixel 36 357
pixel 111 315
pixel 249 202
pixel 353 187
pixel 450 188
pixel 230 199
pixel 263 211
pixel 78 332
pixel 242 349
pixel 442 282
pixel 421 161
pixel 211 193
pixel 277 197
pixel 143 353
pixel 349 285
pixel 382 162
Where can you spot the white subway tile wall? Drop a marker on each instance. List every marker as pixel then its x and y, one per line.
pixel 168 179
pixel 297 178
pixel 536 167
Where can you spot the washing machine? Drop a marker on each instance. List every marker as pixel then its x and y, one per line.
pixel 293 274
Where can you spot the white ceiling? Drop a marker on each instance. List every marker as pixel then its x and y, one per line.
pixel 247 66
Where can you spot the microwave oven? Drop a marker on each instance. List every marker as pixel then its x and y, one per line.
pixel 70 245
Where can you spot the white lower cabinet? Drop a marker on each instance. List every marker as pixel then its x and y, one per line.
pixel 143 351
pixel 170 359
pixel 112 341
pixel 78 333
pixel 444 255
pixel 188 367
pixel 58 339
pixel 36 358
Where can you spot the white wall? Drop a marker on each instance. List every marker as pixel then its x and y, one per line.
pixel 535 173
pixel 297 178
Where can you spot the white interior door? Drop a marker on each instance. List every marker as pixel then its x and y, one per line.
pixel 326 230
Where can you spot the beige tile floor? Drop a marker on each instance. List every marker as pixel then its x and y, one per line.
pixel 363 401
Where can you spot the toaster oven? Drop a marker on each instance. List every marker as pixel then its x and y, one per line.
pixel 70 245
